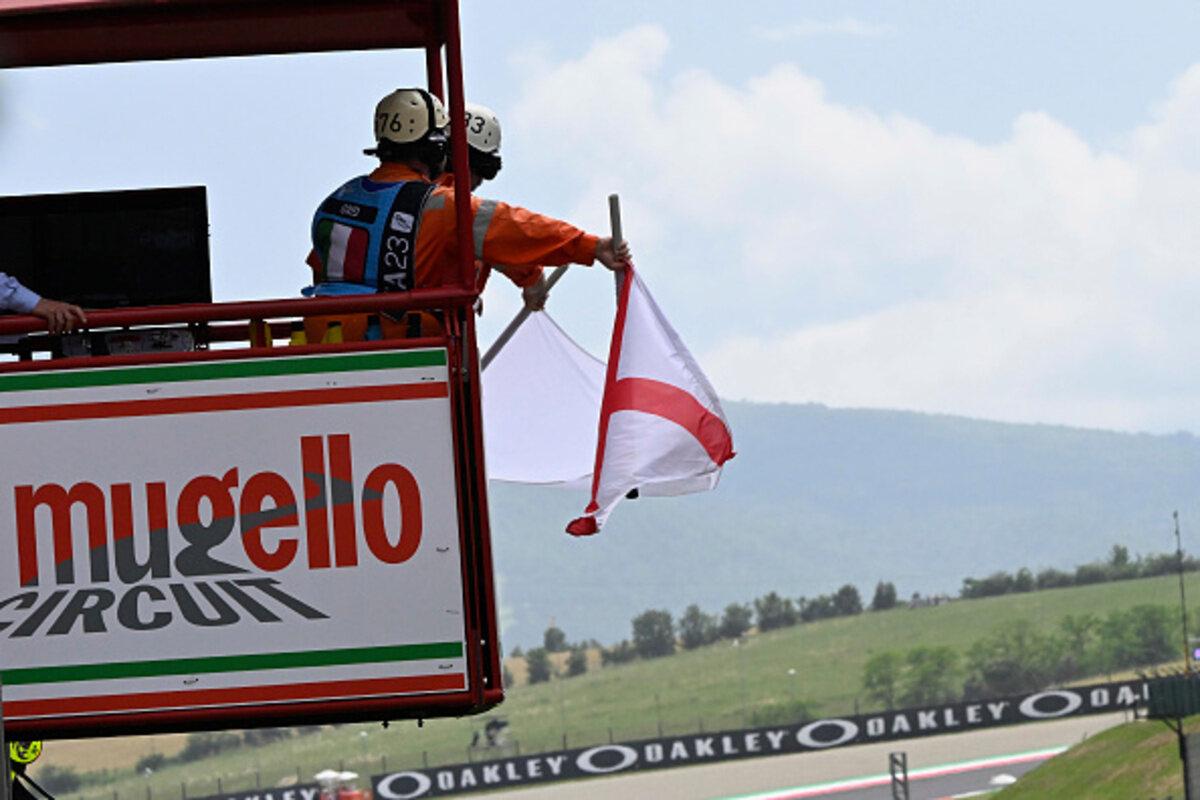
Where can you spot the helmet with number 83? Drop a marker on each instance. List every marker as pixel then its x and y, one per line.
pixel 483 136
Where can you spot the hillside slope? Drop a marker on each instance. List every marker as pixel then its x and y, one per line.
pixel 820 497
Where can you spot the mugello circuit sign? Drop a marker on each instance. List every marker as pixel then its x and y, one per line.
pixel 701 748
pixel 215 534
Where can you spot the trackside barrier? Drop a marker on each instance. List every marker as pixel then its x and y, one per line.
pixel 692 749
pixel 244 535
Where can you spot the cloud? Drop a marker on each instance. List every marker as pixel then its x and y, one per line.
pixel 846 26
pixel 814 251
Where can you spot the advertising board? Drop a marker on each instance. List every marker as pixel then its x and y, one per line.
pixel 216 537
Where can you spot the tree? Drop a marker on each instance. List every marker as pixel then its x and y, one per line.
pixel 1138 636
pixel 577 661
pixel 1054 579
pixel 846 601
pixel 774 612
pixel 696 628
pixel 820 607
pixel 881 675
pixel 1015 658
pixel 537 665
pixel 620 653
pixel 885 596
pixel 554 640
pixel 932 676
pixel 654 634
pixel 1024 581
pixel 735 621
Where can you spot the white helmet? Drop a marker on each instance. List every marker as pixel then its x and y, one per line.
pixel 409 115
pixel 483 128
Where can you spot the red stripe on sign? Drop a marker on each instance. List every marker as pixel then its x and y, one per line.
pixel 223 402
pixel 678 406
pixel 244 695
pixel 354 262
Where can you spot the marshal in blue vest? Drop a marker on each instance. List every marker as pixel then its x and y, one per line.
pixel 365 235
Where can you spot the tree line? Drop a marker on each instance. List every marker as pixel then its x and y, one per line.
pixel 1017 658
pixel 656 633
pixel 1118 567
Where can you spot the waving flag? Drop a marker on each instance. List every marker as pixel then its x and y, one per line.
pixel 541 404
pixel 662 430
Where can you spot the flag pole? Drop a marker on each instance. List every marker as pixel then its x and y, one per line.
pixel 614 217
pixel 517 321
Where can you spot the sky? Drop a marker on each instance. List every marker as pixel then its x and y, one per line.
pixel 985 209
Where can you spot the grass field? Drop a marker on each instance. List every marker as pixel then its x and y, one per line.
pixel 716 687
pixel 1129 762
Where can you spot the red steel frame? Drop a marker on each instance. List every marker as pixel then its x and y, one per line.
pixel 94 31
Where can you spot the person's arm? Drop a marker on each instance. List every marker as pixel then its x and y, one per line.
pixel 512 235
pixel 60 317
pixel 15 296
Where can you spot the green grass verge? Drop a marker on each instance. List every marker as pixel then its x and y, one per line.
pixel 717 687
pixel 1134 761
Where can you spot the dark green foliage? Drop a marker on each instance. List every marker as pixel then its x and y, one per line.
pixel 203 745
pixel 997 583
pixel 620 653
pixel 820 607
pixel 932 675
pixel 58 780
pixel 1054 579
pixel 261 736
pixel 151 762
pixel 881 677
pixel 1139 636
pixel 1024 581
pixel 1016 658
pixel 774 612
pixel 735 621
pixel 783 713
pixel 577 661
pixel 554 640
pixel 537 665
pixel 885 596
pixel 654 634
pixel 1092 573
pixel 696 628
pixel 846 602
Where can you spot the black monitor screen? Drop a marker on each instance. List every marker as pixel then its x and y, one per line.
pixel 143 247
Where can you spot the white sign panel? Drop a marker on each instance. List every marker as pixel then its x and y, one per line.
pixel 225 533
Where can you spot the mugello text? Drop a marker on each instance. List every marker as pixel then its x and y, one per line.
pixel 318 518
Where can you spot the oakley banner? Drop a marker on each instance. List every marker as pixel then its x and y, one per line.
pixel 700 748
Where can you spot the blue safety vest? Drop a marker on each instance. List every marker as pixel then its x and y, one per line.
pixel 365 234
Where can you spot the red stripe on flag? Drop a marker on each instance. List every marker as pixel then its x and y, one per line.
pixel 678 406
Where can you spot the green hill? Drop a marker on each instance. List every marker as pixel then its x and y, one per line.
pixel 765 680
pixel 819 497
pixel 1136 760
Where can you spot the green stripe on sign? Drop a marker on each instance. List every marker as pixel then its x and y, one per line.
pixel 214 370
pixel 246 663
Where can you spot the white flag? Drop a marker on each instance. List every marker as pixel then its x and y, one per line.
pixel 541 403
pixel 662 431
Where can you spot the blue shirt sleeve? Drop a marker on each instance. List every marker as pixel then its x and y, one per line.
pixel 15 297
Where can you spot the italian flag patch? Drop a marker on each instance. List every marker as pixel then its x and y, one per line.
pixel 343 251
